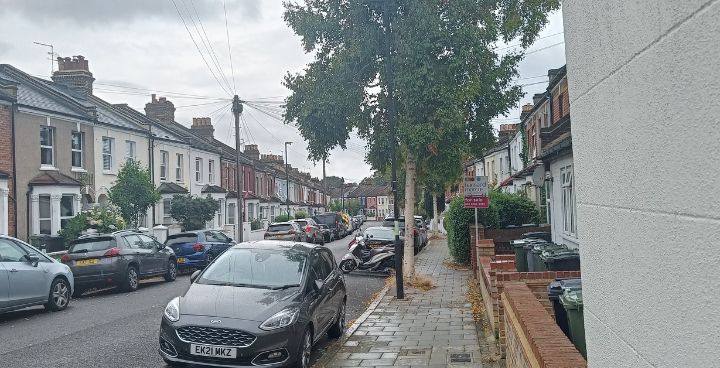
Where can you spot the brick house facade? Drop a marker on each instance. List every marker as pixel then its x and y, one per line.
pixel 8 97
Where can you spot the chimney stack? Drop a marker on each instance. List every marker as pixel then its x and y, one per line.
pixel 203 127
pixel 273 159
pixel 160 109
pixel 506 131
pixel 252 151
pixel 74 73
pixel 526 110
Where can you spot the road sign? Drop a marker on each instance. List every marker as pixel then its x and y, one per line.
pixel 477 202
pixel 476 186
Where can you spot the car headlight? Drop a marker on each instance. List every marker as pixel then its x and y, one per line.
pixel 281 319
pixel 172 311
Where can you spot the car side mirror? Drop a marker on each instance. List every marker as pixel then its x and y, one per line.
pixel 160 246
pixel 230 240
pixel 318 285
pixel 33 259
pixel 194 276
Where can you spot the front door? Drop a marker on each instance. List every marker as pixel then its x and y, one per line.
pixel 27 282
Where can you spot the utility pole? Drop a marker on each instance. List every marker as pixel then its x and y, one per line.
pixel 237 109
pixel 392 116
pixel 287 180
pixel 342 194
pixel 324 185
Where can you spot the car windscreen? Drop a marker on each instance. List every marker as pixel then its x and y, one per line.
pixel 93 244
pixel 279 227
pixel 263 268
pixel 301 223
pixel 385 233
pixel 181 238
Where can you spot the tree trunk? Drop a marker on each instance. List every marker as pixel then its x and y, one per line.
pixel 409 259
pixel 435 223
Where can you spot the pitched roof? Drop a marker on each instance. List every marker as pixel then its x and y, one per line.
pixel 53 178
pixel 213 189
pixel 171 188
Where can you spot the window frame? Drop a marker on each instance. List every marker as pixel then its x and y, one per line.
pixel 72 208
pixel 131 146
pixel 568 204
pixel 74 150
pixel 198 169
pixel 42 219
pixel 164 158
pixel 51 146
pixel 166 211
pixel 230 215
pixel 179 162
pixel 211 171
pixel 109 154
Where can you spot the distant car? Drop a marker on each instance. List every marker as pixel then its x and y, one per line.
pixel 417 240
pixel 264 303
pixel 379 236
pixel 28 277
pixel 334 221
pixel 285 231
pixel 327 233
pixel 313 233
pixel 422 230
pixel 196 249
pixel 120 259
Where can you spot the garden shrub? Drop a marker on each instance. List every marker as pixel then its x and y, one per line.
pixel 101 219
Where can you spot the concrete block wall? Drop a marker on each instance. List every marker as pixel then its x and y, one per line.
pixel 533 339
pixel 644 89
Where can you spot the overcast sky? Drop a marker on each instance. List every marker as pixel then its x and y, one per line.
pixel 139 46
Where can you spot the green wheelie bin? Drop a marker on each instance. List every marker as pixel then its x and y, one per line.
pixel 572 301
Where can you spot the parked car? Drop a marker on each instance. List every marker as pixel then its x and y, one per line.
pixel 196 249
pixel 327 233
pixel 379 236
pixel 264 303
pixel 285 231
pixel 417 240
pixel 120 259
pixel 313 233
pixel 28 277
pixel 334 221
pixel 422 230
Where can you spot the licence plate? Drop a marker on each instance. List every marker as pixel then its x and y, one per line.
pixel 85 262
pixel 213 351
pixel 181 260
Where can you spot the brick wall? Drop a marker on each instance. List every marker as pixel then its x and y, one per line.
pixel 560 98
pixel 533 338
pixel 6 162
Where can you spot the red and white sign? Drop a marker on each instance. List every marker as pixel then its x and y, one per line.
pixel 477 202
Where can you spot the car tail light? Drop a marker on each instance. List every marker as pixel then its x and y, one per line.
pixel 197 247
pixel 352 242
pixel 65 258
pixel 112 252
pixel 307 229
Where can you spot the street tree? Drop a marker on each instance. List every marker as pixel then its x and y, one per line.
pixel 192 212
pixel 450 79
pixel 133 192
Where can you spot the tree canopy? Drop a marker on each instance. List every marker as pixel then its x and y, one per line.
pixel 133 192
pixel 193 212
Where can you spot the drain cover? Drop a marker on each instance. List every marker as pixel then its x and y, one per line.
pixel 413 352
pixel 461 358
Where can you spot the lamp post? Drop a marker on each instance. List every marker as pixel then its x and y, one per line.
pixel 287 180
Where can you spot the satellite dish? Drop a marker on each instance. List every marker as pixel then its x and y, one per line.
pixel 538 176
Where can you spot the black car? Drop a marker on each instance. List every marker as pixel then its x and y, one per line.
pixel 333 221
pixel 262 303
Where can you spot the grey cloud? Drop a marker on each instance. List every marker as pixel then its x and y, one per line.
pixel 98 12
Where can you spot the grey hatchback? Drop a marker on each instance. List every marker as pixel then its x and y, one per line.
pixel 120 259
pixel 263 303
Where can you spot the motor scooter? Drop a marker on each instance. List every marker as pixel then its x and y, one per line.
pixel 360 257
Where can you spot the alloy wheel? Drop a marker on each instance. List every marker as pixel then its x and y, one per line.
pixel 307 349
pixel 132 278
pixel 61 295
pixel 172 270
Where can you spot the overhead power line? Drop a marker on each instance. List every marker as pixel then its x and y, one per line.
pixel 539 38
pixel 227 34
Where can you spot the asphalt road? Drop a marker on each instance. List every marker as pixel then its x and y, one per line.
pixel 114 329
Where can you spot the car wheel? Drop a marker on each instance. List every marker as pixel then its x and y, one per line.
pixel 171 273
pixel 338 328
pixel 132 280
pixel 305 350
pixel 59 297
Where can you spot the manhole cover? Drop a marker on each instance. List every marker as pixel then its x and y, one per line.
pixel 413 352
pixel 461 358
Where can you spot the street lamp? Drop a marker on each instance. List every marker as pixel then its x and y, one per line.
pixel 287 180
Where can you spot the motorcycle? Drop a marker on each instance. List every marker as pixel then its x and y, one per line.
pixel 360 257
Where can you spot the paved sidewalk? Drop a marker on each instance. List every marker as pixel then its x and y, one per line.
pixel 432 328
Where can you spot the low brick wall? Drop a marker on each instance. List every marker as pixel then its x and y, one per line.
pixel 533 338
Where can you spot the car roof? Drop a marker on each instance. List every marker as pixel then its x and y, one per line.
pixel 377 227
pixel 283 223
pixel 278 244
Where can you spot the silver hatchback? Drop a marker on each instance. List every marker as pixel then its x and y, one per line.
pixel 28 277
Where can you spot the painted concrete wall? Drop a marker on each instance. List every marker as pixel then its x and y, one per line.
pixel 173 149
pixel 197 185
pixel 104 179
pixel 644 88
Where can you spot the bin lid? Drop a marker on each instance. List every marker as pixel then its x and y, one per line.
pixel 572 299
pixel 556 252
pixel 541 247
pixel 560 257
pixel 557 287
